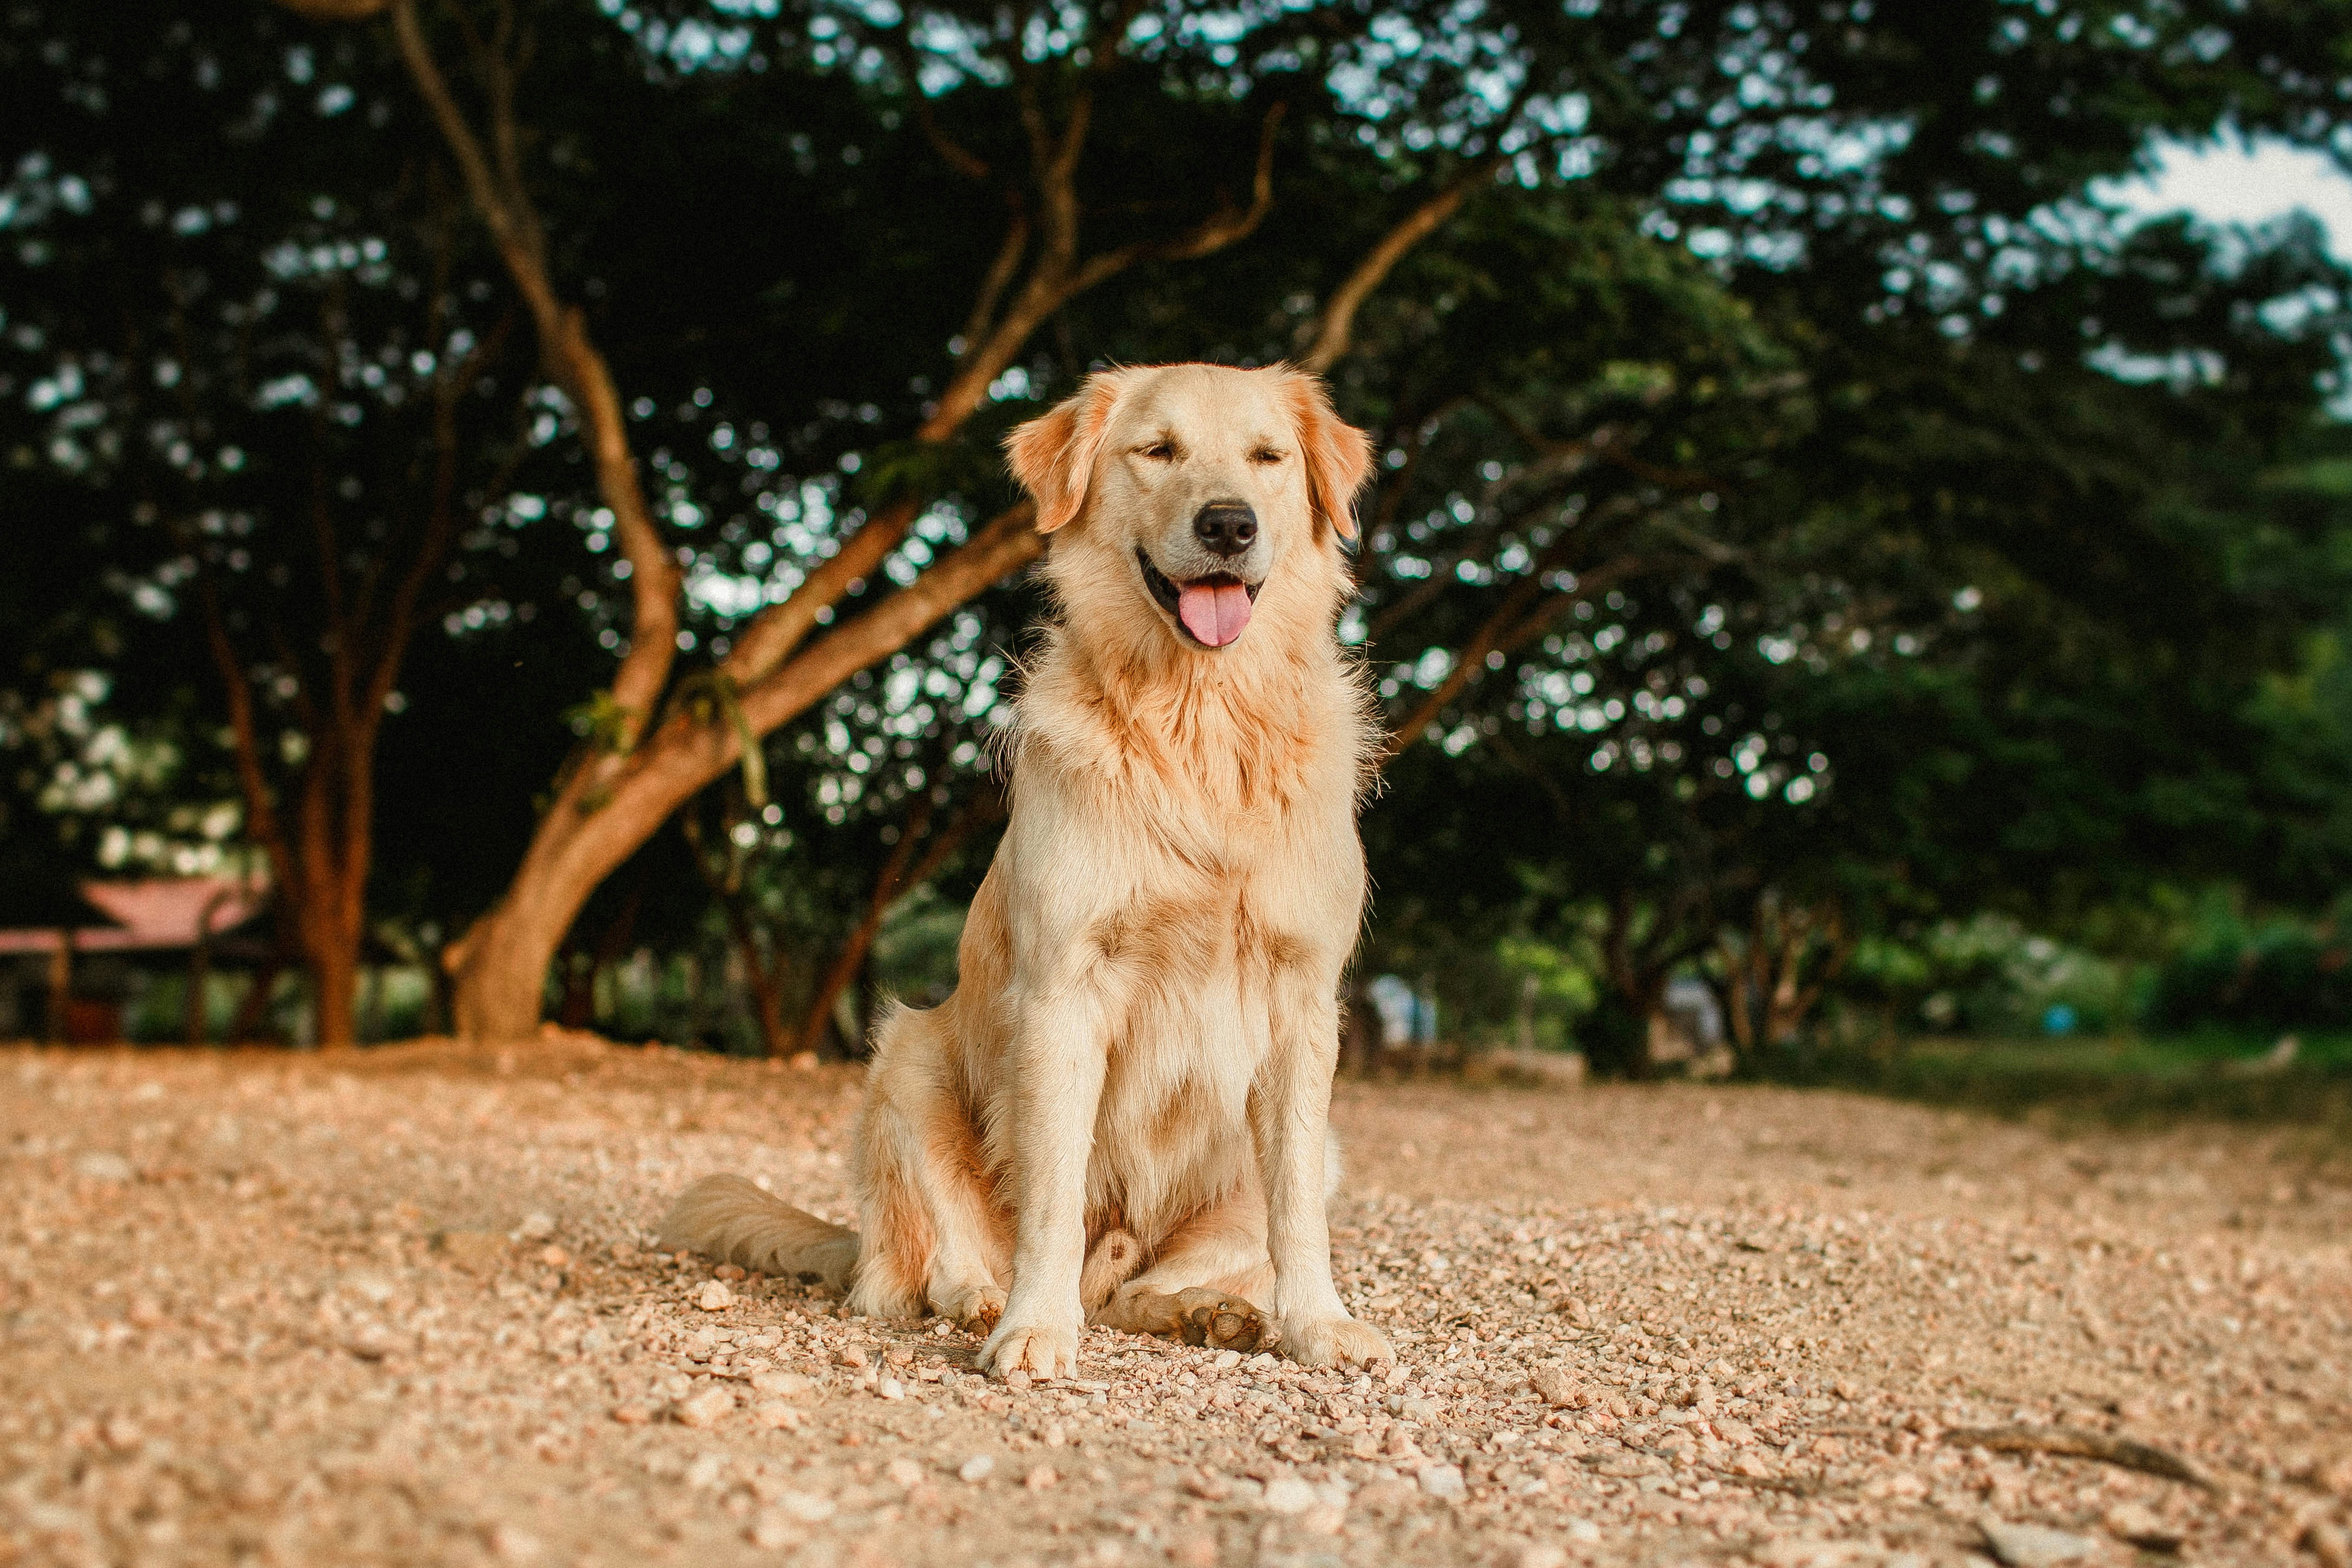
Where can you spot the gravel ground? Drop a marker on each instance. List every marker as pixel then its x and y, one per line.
pixel 399 1308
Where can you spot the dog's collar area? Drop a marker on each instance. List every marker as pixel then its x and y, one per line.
pixel 1168 596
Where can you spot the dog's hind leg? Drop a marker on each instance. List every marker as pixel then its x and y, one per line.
pixel 1203 1286
pixel 924 1196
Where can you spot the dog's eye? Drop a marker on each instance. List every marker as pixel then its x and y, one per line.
pixel 1265 454
pixel 1159 451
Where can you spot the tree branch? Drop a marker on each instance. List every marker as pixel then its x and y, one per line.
pixel 1220 228
pixel 898 880
pixel 956 156
pixel 999 278
pixel 1327 338
pixel 401 618
pixel 1330 335
pixel 504 207
pixel 1008 543
pixel 1516 620
pixel 335 10
pixel 260 808
pixel 775 631
pixel 1056 277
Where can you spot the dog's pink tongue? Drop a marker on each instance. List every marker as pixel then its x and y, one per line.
pixel 1214 612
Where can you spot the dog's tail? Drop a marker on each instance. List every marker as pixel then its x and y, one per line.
pixel 727 1217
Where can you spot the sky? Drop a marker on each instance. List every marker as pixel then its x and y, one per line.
pixel 2230 182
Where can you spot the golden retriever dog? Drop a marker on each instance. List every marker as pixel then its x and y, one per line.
pixel 1121 1115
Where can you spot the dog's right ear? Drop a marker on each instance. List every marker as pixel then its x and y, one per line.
pixel 1054 455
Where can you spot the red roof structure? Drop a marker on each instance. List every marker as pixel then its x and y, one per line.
pixel 152 914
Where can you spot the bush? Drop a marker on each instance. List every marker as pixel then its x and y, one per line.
pixel 2284 975
pixel 1987 977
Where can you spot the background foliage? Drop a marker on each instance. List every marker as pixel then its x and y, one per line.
pixel 1819 550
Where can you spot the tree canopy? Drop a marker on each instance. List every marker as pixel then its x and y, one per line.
pixel 460 436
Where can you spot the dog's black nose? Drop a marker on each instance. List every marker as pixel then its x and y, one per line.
pixel 1227 528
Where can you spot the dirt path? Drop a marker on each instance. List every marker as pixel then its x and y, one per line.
pixel 396 1309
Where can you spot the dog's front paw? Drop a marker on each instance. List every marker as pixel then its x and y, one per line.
pixel 975 1307
pixel 1038 1349
pixel 1334 1341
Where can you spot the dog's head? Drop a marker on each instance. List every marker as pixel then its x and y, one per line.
pixel 1200 484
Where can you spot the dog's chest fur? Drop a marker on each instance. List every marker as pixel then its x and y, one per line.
pixel 1237 872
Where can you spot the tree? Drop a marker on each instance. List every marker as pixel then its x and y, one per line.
pixel 1046 110
pixel 1910 682
pixel 1601 281
pixel 278 399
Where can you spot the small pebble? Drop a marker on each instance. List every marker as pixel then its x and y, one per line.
pixel 514 1545
pixel 2141 1526
pixel 1443 1482
pixel 1288 1495
pixel 714 1296
pixel 782 1385
pixel 977 1467
pixel 808 1507
pixel 1557 1389
pixel 706 1408
pixel 1193 1552
pixel 2035 1545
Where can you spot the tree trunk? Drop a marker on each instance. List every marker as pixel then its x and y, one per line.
pixel 1769 991
pixel 334 860
pixel 334 966
pixel 439 1007
pixel 253 1008
pixel 847 965
pixel 611 805
pixel 852 956
pixel 197 1017
pixel 1616 1035
pixel 61 985
pixel 192 1010
pixel 898 880
pixel 763 975
pixel 588 965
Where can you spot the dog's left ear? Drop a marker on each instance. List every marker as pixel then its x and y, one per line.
pixel 1339 456
pixel 1054 455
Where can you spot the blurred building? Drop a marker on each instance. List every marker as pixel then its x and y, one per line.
pixel 68 967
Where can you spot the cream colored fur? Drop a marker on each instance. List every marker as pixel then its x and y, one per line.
pixel 1121 1114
